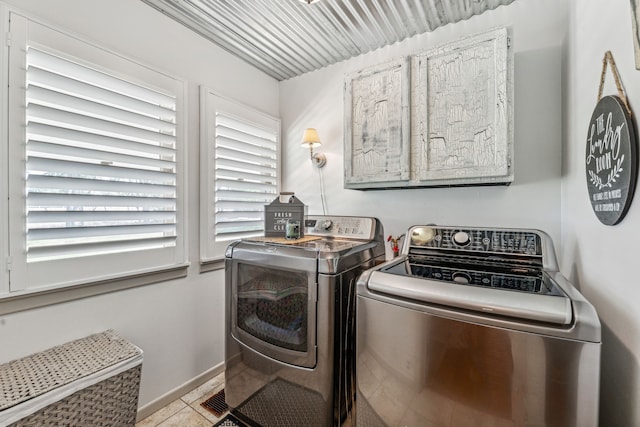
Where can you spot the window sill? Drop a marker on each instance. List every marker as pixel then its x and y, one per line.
pixel 211 265
pixel 15 303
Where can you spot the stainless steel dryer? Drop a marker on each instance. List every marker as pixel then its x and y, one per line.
pixel 290 321
pixel 475 326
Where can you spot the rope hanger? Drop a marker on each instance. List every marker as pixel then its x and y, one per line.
pixel 608 59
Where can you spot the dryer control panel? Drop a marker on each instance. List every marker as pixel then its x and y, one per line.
pixel 339 226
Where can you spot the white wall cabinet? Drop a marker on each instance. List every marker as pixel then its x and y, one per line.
pixel 439 118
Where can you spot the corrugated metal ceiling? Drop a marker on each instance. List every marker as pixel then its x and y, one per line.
pixel 286 38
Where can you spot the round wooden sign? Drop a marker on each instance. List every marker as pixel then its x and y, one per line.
pixel 611 160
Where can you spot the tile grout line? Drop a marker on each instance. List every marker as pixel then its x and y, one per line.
pixel 191 401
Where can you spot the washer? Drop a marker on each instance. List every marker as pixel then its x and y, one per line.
pixel 290 322
pixel 475 326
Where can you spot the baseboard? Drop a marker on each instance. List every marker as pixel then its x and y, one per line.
pixel 178 392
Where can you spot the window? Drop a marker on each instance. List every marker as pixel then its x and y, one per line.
pixel 95 158
pixel 240 171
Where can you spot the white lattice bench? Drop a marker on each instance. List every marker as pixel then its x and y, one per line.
pixel 93 381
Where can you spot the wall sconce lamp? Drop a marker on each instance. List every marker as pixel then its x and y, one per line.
pixel 311 140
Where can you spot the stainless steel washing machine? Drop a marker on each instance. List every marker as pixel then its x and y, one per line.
pixel 471 327
pixel 290 321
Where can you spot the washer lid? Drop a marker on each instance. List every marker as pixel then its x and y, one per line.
pixel 554 307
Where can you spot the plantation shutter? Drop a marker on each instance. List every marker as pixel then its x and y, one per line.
pixel 240 172
pixel 101 162
pixel 95 165
pixel 245 177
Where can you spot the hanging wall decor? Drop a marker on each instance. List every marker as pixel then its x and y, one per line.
pixel 611 152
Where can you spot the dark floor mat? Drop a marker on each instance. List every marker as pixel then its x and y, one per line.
pixel 367 416
pixel 229 421
pixel 284 404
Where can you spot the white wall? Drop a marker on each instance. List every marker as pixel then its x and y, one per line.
pixel 179 324
pixel 532 200
pixel 601 259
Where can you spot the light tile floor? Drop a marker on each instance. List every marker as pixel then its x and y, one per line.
pixel 187 411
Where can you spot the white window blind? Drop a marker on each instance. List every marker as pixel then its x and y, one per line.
pixel 101 162
pixel 96 164
pixel 245 177
pixel 242 171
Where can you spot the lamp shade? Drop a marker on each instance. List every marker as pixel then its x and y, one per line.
pixel 311 138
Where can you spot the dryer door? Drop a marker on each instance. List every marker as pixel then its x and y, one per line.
pixel 274 308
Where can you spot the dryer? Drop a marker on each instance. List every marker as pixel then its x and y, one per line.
pixel 290 322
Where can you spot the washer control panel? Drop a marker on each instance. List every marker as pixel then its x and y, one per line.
pixel 502 241
pixel 518 282
pixel 351 227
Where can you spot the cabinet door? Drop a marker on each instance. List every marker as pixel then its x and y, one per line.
pixel 463 127
pixel 377 139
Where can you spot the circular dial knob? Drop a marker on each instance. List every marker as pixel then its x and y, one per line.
pixel 461 238
pixel 326 224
